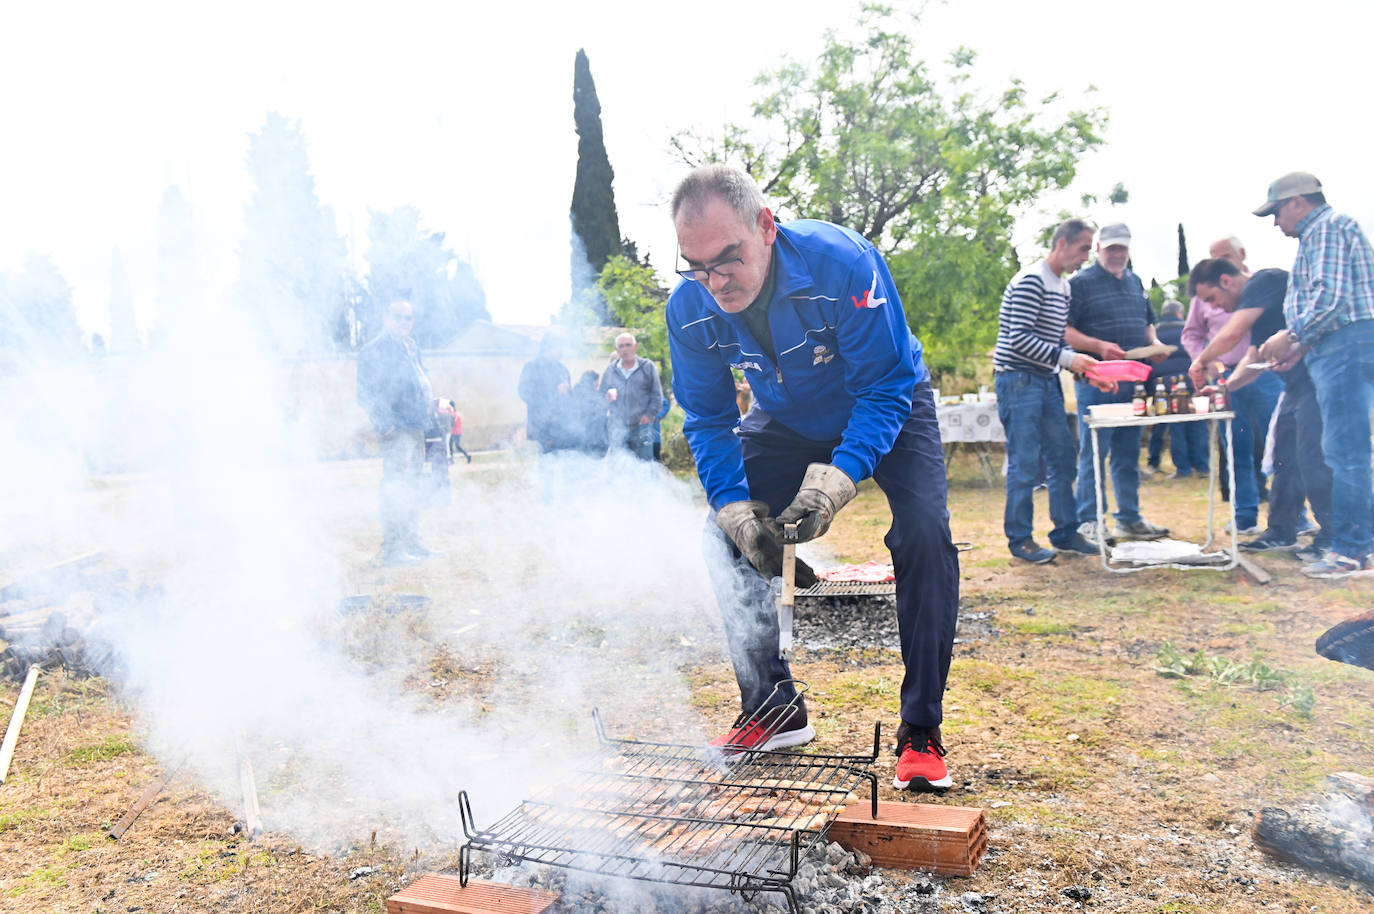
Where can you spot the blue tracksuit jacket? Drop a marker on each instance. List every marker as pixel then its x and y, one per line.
pixel 846 365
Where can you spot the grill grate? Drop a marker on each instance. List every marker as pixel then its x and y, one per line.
pixel 681 814
pixel 849 589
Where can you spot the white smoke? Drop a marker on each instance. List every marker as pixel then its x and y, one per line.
pixel 567 585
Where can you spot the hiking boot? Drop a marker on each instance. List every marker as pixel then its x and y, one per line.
pixel 1335 565
pixel 1033 552
pixel 1088 530
pixel 920 760
pixel 771 728
pixel 1269 541
pixel 1140 530
pixel 1078 545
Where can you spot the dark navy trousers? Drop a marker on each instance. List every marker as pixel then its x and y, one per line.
pixel 924 560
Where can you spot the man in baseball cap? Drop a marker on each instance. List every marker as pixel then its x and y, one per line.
pixel 1290 185
pixel 1329 308
pixel 1108 314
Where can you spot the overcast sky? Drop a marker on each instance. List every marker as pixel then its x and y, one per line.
pixel 464 110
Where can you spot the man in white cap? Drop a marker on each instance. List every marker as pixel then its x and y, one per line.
pixel 1108 314
pixel 1329 308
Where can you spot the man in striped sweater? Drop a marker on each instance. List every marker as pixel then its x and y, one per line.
pixel 1030 351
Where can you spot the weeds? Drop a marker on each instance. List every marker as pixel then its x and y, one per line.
pixel 1172 663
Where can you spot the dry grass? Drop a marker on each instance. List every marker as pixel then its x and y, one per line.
pixel 1095 769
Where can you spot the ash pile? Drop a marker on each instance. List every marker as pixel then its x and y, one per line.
pixel 829 880
pixel 50 616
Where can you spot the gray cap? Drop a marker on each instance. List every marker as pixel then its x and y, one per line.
pixel 1290 185
pixel 1116 233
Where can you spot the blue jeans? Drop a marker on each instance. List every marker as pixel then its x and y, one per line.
pixel 1119 445
pixel 1187 446
pixel 637 439
pixel 1031 408
pixel 1342 369
pixel 924 560
pixel 1254 405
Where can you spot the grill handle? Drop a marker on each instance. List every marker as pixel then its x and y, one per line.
pixel 465 813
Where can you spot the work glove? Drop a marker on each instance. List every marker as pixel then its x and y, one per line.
pixel 825 489
pixel 759 539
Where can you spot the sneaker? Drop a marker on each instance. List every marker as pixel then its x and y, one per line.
pixel 1335 565
pixel 1033 552
pixel 1181 474
pixel 391 558
pixel 771 728
pixel 920 760
pixel 1310 528
pixel 1269 541
pixel 1078 545
pixel 420 552
pixel 1088 530
pixel 1149 470
pixel 1311 553
pixel 1250 529
pixel 1140 530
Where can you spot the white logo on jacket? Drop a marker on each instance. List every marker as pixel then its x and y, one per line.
pixel 870 299
pixel 746 366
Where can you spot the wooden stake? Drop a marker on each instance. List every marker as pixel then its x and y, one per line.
pixel 252 815
pixel 21 707
pixel 143 802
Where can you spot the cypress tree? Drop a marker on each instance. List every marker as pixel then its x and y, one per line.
pixel 596 229
pixel 1182 252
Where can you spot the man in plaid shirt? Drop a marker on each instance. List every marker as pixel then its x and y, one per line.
pixel 1330 312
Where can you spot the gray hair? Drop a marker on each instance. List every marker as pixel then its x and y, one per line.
pixel 1171 308
pixel 724 182
pixel 1070 229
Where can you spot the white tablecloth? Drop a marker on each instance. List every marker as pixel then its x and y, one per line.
pixel 962 422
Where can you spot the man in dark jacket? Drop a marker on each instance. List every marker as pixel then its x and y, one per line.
pixel 632 388
pixel 394 390
pixel 544 386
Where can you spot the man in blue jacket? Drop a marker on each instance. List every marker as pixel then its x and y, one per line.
pixel 808 312
pixel 394 390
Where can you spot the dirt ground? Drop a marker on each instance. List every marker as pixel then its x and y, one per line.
pixel 1101 775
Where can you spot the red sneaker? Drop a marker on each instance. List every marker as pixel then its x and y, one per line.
pixel 771 728
pixel 920 760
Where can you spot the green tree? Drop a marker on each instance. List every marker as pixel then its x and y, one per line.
pixel 635 299
pixel 407 262
pixel 1183 266
pixel 37 319
pixel 932 174
pixel 595 225
pixel 292 261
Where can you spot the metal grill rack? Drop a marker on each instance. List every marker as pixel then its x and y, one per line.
pixel 681 814
pixel 849 589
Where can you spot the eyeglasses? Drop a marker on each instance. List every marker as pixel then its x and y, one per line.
pixel 724 268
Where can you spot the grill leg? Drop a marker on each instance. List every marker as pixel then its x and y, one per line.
pixel 464 864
